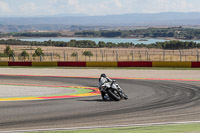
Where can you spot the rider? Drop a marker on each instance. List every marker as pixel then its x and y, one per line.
pixel 104 79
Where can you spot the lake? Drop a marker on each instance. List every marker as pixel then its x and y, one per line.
pixel 113 40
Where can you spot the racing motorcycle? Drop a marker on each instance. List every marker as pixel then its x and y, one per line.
pixel 114 91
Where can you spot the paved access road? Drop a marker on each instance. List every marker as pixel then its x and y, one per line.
pixel 150 101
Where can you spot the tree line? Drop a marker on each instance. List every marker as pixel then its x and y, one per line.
pixel 174 32
pixel 91 44
pixel 8 52
pixel 31 34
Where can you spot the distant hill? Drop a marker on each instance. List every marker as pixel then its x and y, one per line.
pixel 170 18
pixel 135 19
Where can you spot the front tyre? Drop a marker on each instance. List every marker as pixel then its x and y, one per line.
pixel 114 95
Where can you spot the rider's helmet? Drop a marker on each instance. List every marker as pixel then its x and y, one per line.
pixel 103 75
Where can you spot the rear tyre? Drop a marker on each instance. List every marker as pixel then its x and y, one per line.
pixel 115 96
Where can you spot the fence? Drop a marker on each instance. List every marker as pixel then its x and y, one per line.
pixel 103 55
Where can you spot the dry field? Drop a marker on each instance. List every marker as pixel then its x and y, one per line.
pixel 103 54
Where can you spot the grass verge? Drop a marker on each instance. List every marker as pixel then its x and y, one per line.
pixel 182 128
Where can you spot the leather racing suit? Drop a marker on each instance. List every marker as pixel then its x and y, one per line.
pixel 103 80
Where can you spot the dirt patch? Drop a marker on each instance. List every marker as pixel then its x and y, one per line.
pixel 103 54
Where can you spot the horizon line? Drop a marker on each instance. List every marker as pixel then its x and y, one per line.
pixel 85 15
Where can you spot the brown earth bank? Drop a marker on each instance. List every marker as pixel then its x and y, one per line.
pixel 102 54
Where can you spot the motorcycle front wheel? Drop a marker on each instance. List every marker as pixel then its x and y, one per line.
pixel 114 94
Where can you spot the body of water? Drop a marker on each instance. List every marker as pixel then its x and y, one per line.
pixel 113 40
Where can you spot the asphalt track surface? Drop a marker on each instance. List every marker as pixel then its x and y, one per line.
pixel 150 101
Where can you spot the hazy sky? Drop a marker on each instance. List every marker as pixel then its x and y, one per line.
pixel 94 7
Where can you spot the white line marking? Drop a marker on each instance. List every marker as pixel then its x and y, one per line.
pixel 94 127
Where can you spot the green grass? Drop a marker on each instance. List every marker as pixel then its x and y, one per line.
pixel 182 128
pixel 109 68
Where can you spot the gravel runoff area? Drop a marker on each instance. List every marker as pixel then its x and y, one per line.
pixel 170 74
pixel 8 91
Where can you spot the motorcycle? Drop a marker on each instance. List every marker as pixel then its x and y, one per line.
pixel 114 91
